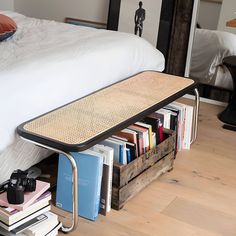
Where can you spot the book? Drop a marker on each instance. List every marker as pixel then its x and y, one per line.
pixel 43 227
pixel 188 127
pixel 90 167
pixel 175 120
pixel 29 197
pixel 24 220
pixel 143 134
pixel 123 155
pixel 130 148
pixel 149 127
pixel 10 215
pixel 115 146
pixel 106 188
pixel 131 137
pixel 154 139
pixel 156 120
pixel 54 231
pixel 167 115
pixel 181 122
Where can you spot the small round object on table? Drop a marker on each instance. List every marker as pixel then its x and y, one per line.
pixel 228 116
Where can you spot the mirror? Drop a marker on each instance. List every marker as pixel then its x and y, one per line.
pixel 213 41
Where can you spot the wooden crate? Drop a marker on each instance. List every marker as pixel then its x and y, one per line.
pixel 129 179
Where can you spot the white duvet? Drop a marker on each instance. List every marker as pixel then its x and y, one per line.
pixel 47 64
pixel 209 49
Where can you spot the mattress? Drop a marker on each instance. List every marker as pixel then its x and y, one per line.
pixel 209 49
pixel 47 64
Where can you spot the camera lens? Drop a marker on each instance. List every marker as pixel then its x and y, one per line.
pixel 30 185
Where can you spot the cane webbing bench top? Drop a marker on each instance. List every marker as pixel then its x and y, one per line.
pixel 76 125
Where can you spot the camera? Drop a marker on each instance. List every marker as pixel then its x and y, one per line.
pixel 19 184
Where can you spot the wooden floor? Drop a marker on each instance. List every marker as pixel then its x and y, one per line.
pixel 197 198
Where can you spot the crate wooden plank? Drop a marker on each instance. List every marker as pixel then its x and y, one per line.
pixel 122 174
pixel 122 195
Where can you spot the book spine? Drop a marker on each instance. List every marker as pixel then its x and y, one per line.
pixel 110 183
pixel 98 185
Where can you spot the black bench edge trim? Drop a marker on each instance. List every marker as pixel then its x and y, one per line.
pixel 96 139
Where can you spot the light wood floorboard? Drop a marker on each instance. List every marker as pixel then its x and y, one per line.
pixel 197 198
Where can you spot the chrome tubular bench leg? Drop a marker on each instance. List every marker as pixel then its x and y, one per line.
pixel 196 113
pixel 74 185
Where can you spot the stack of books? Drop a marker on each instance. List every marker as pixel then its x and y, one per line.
pixel 32 218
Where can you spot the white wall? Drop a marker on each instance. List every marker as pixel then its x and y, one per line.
pixel 7 5
pixel 93 10
pixel 209 13
pixel 226 14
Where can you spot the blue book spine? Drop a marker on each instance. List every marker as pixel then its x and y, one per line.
pixel 128 155
pixel 121 158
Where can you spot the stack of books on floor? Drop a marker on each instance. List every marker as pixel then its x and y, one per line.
pixel 96 164
pixel 32 218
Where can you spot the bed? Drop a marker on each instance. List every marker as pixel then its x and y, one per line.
pixel 209 49
pixel 47 64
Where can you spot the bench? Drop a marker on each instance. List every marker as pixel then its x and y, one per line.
pixel 84 122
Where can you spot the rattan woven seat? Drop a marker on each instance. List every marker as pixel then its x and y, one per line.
pixel 86 119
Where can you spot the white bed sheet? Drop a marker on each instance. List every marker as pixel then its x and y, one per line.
pixel 47 64
pixel 209 49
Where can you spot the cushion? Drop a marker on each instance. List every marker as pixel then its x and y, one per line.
pixel 7 27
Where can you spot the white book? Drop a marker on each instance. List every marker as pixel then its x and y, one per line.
pixel 154 139
pixel 149 127
pixel 54 232
pixel 115 146
pixel 43 227
pixel 167 115
pixel 108 154
pixel 188 127
pixel 181 122
pixel 124 155
pixel 25 220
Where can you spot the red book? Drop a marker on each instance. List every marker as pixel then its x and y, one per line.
pixel 29 197
pixel 142 137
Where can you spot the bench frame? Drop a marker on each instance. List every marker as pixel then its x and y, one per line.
pixel 29 137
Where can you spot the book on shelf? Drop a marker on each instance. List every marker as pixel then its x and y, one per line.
pixel 154 143
pixel 188 127
pixel 123 154
pixel 181 122
pixel 106 187
pixel 156 121
pixel 143 138
pixel 29 197
pixel 131 137
pixel 9 215
pixel 130 148
pixel 90 166
pixel 115 146
pixel 167 117
pixel 149 127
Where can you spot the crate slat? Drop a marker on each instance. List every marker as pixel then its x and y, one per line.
pixel 122 174
pixel 121 195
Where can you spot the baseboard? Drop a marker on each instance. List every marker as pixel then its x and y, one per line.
pixel 206 100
